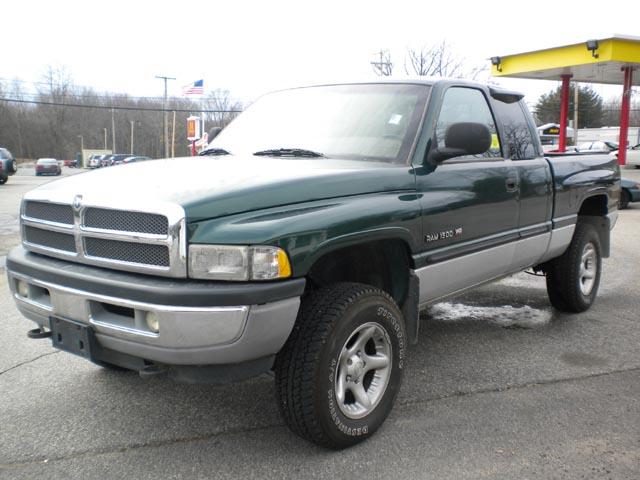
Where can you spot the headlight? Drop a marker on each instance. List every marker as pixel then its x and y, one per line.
pixel 226 262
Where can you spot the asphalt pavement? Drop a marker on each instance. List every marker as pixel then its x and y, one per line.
pixel 500 386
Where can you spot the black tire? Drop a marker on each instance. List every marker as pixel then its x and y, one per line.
pixel 3 179
pixel 568 287
pixel 624 199
pixel 308 366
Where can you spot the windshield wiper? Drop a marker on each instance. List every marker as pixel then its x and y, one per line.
pixel 289 152
pixel 214 151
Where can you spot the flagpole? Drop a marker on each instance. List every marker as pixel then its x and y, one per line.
pixel 202 113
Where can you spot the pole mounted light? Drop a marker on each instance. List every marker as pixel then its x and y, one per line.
pixel 592 46
pixel 497 62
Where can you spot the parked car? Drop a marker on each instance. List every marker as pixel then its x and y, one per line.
pixel 330 216
pixel 633 156
pixel 69 163
pixel 630 193
pixel 105 160
pixel 138 158
pixel 597 146
pixel 94 161
pixel 122 158
pixel 48 166
pixel 110 160
pixel 8 165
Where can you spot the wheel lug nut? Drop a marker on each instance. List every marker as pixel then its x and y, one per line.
pixel 348 378
pixel 349 362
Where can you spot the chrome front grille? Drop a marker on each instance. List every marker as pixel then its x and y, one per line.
pixel 51 212
pixel 123 221
pixel 150 241
pixel 127 251
pixel 56 240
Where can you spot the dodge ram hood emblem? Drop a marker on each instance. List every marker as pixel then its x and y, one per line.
pixel 77 202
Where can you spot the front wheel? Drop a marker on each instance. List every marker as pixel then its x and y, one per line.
pixel 341 368
pixel 3 179
pixel 574 277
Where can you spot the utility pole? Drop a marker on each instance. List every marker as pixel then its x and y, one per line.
pixel 81 150
pixel 105 138
pixel 173 136
pixel 132 122
pixel 164 111
pixel 113 130
pixel 384 67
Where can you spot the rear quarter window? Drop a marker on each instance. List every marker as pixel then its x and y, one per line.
pixel 519 141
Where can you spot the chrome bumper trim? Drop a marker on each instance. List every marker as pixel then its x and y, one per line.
pixel 180 327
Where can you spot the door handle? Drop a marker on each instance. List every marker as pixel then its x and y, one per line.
pixel 511 184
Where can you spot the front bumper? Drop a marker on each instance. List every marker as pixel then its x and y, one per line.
pixel 200 323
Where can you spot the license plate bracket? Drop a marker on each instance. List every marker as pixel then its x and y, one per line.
pixel 73 337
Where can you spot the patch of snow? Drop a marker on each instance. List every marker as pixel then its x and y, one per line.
pixel 503 316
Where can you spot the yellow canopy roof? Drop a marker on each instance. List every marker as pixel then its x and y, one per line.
pixel 585 63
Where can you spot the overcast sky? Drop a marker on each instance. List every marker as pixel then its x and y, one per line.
pixel 253 47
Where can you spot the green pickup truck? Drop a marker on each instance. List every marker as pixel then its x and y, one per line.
pixel 306 239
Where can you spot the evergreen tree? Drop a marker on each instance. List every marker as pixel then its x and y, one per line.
pixel 590 111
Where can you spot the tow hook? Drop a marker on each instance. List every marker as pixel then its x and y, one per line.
pixel 38 333
pixel 153 370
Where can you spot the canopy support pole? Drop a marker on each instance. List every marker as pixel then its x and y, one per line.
pixel 624 115
pixel 564 110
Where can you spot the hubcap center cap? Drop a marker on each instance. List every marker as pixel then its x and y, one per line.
pixel 355 367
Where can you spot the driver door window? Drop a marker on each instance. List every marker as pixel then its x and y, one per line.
pixel 467 105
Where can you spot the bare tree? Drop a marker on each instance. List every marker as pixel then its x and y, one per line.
pixel 383 67
pixel 224 106
pixel 49 121
pixel 439 60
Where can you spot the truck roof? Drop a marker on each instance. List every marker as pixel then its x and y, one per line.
pixel 496 91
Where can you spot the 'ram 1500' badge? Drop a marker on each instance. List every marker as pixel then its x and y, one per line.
pixel 443 235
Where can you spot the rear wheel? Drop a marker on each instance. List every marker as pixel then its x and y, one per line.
pixel 574 277
pixel 624 199
pixel 3 179
pixel 339 372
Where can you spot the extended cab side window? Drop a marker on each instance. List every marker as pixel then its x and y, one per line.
pixel 462 104
pixel 516 131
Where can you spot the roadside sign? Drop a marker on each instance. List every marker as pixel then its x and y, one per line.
pixel 193 128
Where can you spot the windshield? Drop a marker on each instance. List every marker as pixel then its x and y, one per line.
pixel 368 121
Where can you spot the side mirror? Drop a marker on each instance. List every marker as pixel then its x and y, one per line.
pixel 464 138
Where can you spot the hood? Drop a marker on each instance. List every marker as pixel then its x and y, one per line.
pixel 209 187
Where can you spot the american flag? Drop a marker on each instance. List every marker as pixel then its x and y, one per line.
pixel 195 88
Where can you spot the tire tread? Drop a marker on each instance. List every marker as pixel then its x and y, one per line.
pixel 297 363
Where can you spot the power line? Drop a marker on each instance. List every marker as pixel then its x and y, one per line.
pixel 107 95
pixel 105 107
